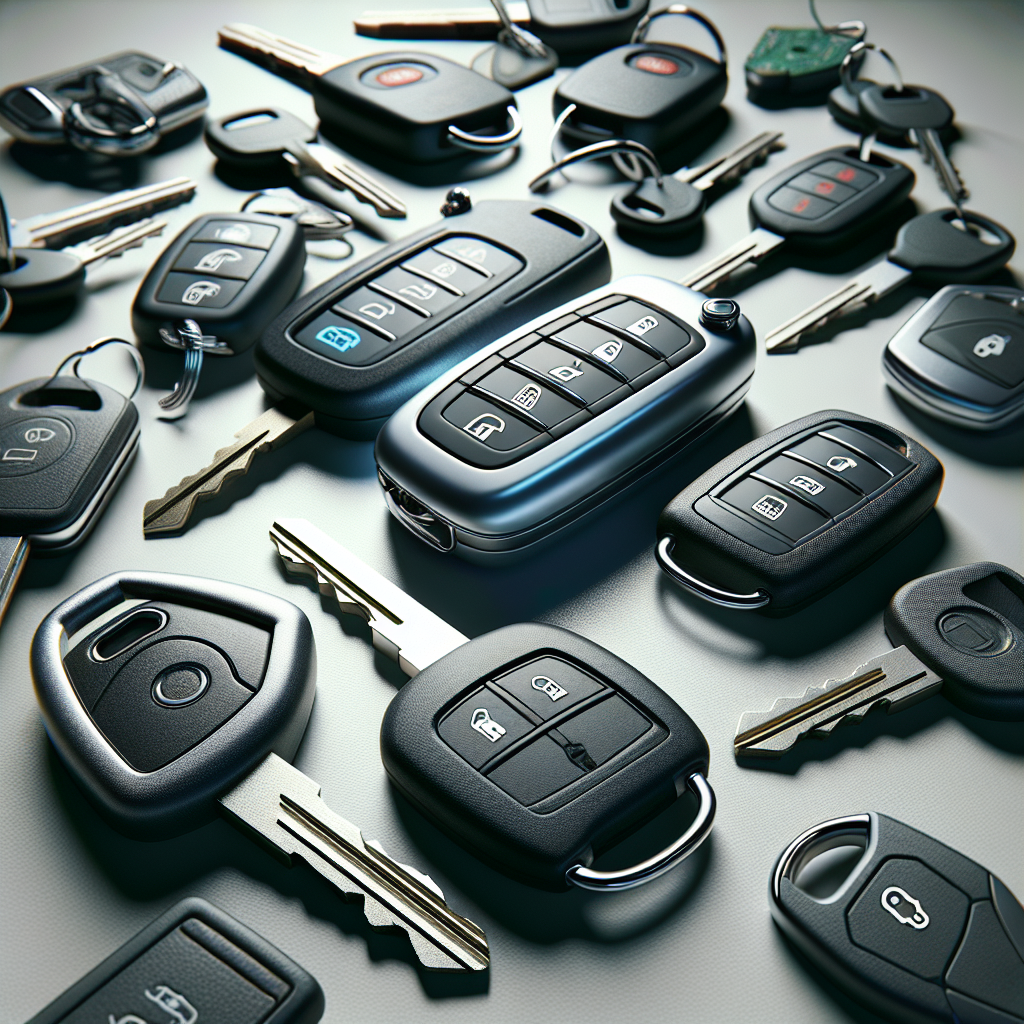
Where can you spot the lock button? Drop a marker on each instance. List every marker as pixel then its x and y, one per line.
pixel 234 261
pixel 342 340
pixel 650 326
pixel 409 288
pixel 488 424
pixel 383 314
pixel 482 726
pixel 548 686
pixel 441 269
pixel 527 395
pixel 575 375
pixel 628 359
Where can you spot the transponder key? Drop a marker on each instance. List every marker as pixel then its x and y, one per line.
pixel 193 700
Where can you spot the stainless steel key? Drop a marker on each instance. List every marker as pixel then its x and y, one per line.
pixel 933 246
pixel 960 632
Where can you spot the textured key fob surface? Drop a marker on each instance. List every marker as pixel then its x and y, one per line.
pixel 230 272
pixel 367 340
pixel 537 749
pixel 917 932
pixel 960 357
pixel 65 444
pixel 789 516
pixel 561 415
pixel 191 965
pixel 164 707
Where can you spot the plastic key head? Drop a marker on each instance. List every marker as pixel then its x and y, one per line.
pixel 938 246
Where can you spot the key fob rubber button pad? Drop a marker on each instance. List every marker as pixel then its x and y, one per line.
pixel 817 489
pixel 559 685
pixel 237 232
pixel 788 515
pixel 654 327
pixel 542 403
pixel 233 261
pixel 842 462
pixel 412 288
pixel 481 727
pixel 380 312
pixel 342 340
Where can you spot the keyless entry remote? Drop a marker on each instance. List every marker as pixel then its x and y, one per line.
pixel 561 415
pixel 791 515
pixel 960 357
pixel 917 932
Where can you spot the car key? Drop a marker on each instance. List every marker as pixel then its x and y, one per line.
pixel 531 746
pixel 937 247
pixel 191 963
pixel 351 351
pixel 215 287
pixel 414 106
pixel 65 444
pixel 512 447
pixel 960 357
pixel 916 931
pixel 194 702
pixel 960 631
pixel 121 105
pixel 266 137
pixel 788 517
pixel 568 28
pixel 646 92
pixel 823 202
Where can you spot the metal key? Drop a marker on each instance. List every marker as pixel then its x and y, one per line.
pixel 259 138
pixel 932 246
pixel 960 632
pixel 194 702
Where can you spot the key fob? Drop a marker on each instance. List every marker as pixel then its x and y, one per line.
pixel 365 341
pixel 537 749
pixel 230 272
pixel 960 357
pixel 831 198
pixel 159 710
pixel 916 932
pixel 515 445
pixel 575 29
pixel 65 444
pixel 791 515
pixel 206 963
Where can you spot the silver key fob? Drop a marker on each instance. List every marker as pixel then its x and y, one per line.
pixel 549 422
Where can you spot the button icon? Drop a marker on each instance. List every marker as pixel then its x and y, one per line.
pixel 608 351
pixel 240 233
pixel 547 685
pixel 486 726
pixel 172 1003
pixel 341 338
pixel 36 435
pixel 482 426
pixel 20 454
pixel 825 188
pixel 770 507
pixel 527 397
pixel 904 907
pixel 847 174
pixel 992 345
pixel 566 373
pixel 841 463
pixel 805 483
pixel 444 270
pixel 215 260
pixel 391 77
pixel 643 325
pixel 656 65
pixel 199 290
pixel 419 291
pixel 473 253
pixel 377 310
pixel 800 205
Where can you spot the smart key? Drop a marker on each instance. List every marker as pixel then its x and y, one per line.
pixel 915 931
pixel 192 699
pixel 532 746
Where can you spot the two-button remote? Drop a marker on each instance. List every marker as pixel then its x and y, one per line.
pixel 916 931
pixel 789 516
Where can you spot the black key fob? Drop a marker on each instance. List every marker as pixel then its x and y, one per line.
pixel 590 28
pixel 960 357
pixel 513 447
pixel 65 444
pixel 230 272
pixel 915 932
pixel 192 964
pixel 538 749
pixel 791 515
pixel 365 341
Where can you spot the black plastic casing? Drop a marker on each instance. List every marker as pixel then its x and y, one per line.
pixel 570 827
pixel 182 795
pixel 794 576
pixel 563 258
pixel 563 28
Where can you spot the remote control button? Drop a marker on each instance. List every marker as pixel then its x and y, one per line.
pixel 526 394
pixel 820 488
pixel 32 444
pixel 601 343
pixel 800 204
pixel 537 771
pixel 234 261
pixel 209 292
pixel 489 424
pixel 410 288
pixel 819 186
pixel 576 375
pixel 342 340
pixel 237 232
pixel 489 258
pixel 655 328
pixel 994 349
pixel 606 728
pixel 481 726
pixel 857 178
pixel 879 453
pixel 380 312
pixel 548 686
pixel 790 517
pixel 445 271
pixel 852 467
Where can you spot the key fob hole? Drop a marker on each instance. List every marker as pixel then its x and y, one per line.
pixel 257 117
pixel 63 392
pixel 827 866
pixel 890 92
pixel 1001 593
pixel 127 633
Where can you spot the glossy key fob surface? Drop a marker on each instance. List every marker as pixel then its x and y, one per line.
pixel 368 339
pixel 537 749
pixel 960 357
pixel 230 272
pixel 549 422
pixel 791 515
pixel 65 444
pixel 585 28
pixel 193 963
pixel 165 706
pixel 916 932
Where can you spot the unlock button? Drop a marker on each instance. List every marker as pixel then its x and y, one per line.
pixel 481 726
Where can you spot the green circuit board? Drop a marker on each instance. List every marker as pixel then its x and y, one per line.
pixel 795 52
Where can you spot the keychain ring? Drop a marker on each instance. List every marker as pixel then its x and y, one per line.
pixel 80 354
pixel 85 132
pixel 640 32
pixel 488 143
pixel 845 69
pixel 595 151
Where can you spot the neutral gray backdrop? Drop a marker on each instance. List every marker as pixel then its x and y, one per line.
pixel 698 944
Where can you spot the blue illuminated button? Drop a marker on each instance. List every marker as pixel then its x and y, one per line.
pixel 342 340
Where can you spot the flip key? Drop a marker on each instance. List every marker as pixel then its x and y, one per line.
pixel 791 515
pixel 915 932
pixel 530 745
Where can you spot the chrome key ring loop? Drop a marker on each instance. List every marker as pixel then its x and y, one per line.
pixel 825 836
pixel 648 870
pixel 488 143
pixel 852 56
pixel 187 335
pixel 80 354
pixel 86 131
pixel 640 32
pixel 703 590
pixel 597 150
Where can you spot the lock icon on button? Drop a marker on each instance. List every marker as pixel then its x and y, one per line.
pixel 487 726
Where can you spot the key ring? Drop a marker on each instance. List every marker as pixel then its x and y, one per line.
pixel 92 133
pixel 844 28
pixel 640 32
pixel 595 151
pixel 187 335
pixel 80 354
pixel 845 69
pixel 488 143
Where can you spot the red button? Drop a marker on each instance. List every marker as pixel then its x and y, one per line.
pixel 824 188
pixel 399 76
pixel 800 205
pixel 656 65
pixel 847 174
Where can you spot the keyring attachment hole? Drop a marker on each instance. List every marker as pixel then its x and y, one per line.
pixel 979 231
pixel 127 633
pixel 823 873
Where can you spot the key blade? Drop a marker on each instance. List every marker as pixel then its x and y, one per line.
pixel 170 514
pixel 282 56
pixel 870 286
pixel 896 678
pixel 117 242
pixel 403 629
pixel 752 249
pixel 457 23
pixel 13 555
pixel 735 164
pixel 283 807
pixel 949 177
pixel 317 159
